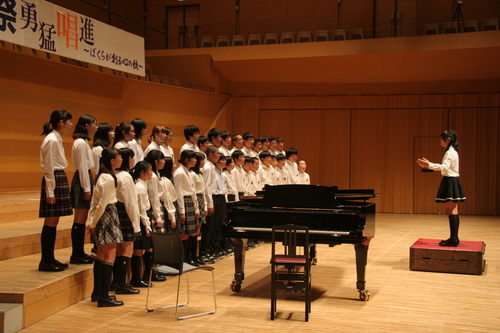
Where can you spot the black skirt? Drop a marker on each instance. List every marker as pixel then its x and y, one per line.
pixel 451 189
pixel 62 207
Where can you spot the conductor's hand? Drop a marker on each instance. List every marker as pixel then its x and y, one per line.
pixel 423 162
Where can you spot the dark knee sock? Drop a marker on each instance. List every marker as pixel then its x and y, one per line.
pixel 106 272
pixel 97 278
pixel 136 262
pixel 116 272
pixel 48 242
pixel 454 224
pixel 123 264
pixel 78 239
pixel 194 247
pixel 147 257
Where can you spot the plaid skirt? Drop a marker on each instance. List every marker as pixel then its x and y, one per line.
pixel 145 242
pixel 126 225
pixel 451 189
pixel 62 207
pixel 77 192
pixel 107 230
pixel 178 226
pixel 201 204
pixel 189 226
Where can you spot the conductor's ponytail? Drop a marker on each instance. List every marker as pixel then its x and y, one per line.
pixel 452 135
pixel 55 118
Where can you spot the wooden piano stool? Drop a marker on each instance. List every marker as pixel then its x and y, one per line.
pixel 466 258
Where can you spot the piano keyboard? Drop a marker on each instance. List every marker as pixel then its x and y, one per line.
pixel 333 233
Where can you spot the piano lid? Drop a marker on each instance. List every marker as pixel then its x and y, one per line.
pixel 300 196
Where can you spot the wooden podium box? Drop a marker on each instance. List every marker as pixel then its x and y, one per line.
pixel 466 258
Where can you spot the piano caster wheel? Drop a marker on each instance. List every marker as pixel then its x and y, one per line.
pixel 314 261
pixel 364 295
pixel 236 286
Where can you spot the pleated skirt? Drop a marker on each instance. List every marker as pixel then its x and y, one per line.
pixel 107 230
pixel 451 189
pixel 77 191
pixel 126 225
pixel 62 207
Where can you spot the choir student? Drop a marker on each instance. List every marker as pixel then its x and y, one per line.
pixel 55 198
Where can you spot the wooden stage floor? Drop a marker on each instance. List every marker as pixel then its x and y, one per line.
pixel 401 300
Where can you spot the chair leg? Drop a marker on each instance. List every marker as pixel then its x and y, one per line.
pixel 202 313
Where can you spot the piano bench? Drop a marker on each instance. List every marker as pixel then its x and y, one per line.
pixel 466 258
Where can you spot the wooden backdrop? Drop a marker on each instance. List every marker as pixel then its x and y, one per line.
pixel 374 141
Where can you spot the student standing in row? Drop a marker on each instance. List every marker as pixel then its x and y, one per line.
pixel 169 152
pixel 226 143
pixel 192 134
pixel 103 138
pixel 169 197
pixel 104 227
pixel 141 173
pixel 55 197
pixel 128 213
pixel 124 133
pixel 156 140
pixel 82 185
pixel 140 129
pixel 303 175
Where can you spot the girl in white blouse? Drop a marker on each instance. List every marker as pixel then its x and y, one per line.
pixel 187 202
pixel 156 140
pixel 169 197
pixel 82 185
pixel 141 173
pixel 140 128
pixel 128 213
pixel 450 191
pixel 124 133
pixel 104 227
pixel 55 198
pixel 155 192
pixel 103 138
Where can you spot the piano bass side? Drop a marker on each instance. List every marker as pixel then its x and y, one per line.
pixel 347 218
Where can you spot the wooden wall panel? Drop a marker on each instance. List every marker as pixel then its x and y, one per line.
pixel 384 136
pixel 31 88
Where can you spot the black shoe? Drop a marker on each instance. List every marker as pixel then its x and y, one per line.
pixel 126 290
pixel 81 260
pixel 207 259
pixel 94 298
pixel 60 264
pixel 91 258
pixel 449 242
pixel 158 278
pixel 108 302
pixel 52 267
pixel 140 284
pixel 199 261
pixel 193 263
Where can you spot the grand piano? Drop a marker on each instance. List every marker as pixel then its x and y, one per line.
pixel 333 217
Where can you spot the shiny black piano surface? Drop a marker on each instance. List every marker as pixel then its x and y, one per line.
pixel 333 217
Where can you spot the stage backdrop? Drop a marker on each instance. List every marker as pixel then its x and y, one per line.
pixel 44 26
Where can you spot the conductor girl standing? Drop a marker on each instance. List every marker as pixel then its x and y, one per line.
pixel 450 191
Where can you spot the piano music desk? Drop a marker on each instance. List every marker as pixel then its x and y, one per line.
pixel 467 258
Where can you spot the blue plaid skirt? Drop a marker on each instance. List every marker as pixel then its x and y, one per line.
pixel 62 207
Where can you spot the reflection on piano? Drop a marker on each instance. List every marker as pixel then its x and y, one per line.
pixel 333 216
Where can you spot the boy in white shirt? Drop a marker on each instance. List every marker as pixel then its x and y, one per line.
pixel 303 175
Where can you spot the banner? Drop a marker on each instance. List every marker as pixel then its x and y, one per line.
pixel 44 26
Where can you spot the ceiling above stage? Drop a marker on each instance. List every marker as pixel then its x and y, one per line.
pixel 443 62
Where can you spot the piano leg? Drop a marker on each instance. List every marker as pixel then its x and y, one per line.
pixel 312 254
pixel 361 259
pixel 240 247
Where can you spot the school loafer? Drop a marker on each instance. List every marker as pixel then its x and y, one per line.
pixel 94 298
pixel 140 284
pixel 108 302
pixel 158 278
pixel 449 242
pixel 126 290
pixel 60 264
pixel 81 260
pixel 52 267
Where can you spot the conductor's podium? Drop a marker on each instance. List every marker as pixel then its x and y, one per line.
pixel 466 258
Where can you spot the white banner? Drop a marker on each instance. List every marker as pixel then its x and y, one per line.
pixel 44 26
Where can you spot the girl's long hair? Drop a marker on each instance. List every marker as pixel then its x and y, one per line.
pixel 80 131
pixel 153 156
pixel 122 127
pixel 167 169
pixel 453 138
pixel 107 155
pixel 138 169
pixel 101 137
pixel 126 153
pixel 55 118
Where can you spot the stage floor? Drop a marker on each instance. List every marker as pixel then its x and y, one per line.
pixel 401 300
